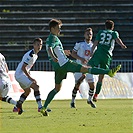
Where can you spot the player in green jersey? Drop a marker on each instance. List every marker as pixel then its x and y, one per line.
pixel 105 41
pixel 62 64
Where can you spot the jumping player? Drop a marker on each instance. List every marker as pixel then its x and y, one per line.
pixel 105 42
pixel 62 64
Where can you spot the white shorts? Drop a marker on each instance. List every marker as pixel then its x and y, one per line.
pixel 4 87
pixel 24 81
pixel 89 77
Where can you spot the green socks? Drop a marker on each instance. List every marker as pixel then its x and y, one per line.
pixel 98 87
pixel 50 97
pixel 96 70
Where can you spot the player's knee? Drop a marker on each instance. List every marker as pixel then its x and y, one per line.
pixel 58 89
pixel 27 92
pixel 35 87
pixel 75 90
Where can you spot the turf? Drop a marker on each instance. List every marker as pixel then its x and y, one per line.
pixel 110 116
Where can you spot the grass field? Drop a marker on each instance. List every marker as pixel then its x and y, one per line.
pixel 110 116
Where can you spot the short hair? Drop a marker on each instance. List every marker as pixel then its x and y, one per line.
pixel 54 22
pixel 37 40
pixel 109 24
pixel 88 29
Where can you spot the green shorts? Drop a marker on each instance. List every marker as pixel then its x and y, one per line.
pixel 100 59
pixel 61 72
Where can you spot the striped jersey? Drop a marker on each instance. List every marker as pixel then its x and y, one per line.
pixel 3 71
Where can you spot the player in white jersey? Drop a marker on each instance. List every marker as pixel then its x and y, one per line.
pixel 5 83
pixel 81 52
pixel 23 77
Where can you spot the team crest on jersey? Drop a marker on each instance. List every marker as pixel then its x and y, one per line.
pixel 87 52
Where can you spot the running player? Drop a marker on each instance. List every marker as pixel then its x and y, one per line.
pixel 81 52
pixel 23 77
pixel 62 64
pixel 105 41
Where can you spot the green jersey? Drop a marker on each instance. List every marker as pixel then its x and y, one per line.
pixel 103 54
pixel 106 39
pixel 63 65
pixel 54 42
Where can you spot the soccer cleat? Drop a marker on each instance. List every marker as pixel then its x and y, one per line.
pixel 39 109
pixel 15 109
pixel 19 108
pixel 48 110
pixel 44 111
pixel 73 105
pixel 113 71
pixel 95 97
pixel 91 103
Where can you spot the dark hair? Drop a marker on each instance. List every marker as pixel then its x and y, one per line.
pixel 109 24
pixel 37 40
pixel 54 22
pixel 88 29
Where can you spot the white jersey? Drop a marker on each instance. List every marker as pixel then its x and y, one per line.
pixel 29 58
pixel 83 50
pixel 5 83
pixel 3 71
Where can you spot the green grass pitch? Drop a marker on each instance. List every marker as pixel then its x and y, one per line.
pixel 110 116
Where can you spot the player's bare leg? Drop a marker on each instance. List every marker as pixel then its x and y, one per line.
pixel 76 88
pixel 91 92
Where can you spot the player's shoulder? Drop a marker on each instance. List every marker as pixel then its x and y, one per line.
pixel 1 55
pixel 101 31
pixel 29 53
pixel 115 32
pixel 51 38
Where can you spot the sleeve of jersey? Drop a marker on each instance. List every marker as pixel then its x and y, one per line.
pixel 27 59
pixel 4 60
pixel 116 34
pixel 76 47
pixel 51 41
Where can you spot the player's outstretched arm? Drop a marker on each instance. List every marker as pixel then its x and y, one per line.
pixel 119 41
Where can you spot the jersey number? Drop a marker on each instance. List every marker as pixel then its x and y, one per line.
pixel 105 38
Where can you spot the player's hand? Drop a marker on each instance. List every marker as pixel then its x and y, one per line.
pixel 67 52
pixel 55 59
pixel 33 80
pixel 84 61
pixel 124 46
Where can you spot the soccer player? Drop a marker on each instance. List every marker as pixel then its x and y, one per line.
pixel 105 41
pixel 62 64
pixel 5 83
pixel 81 52
pixel 23 77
